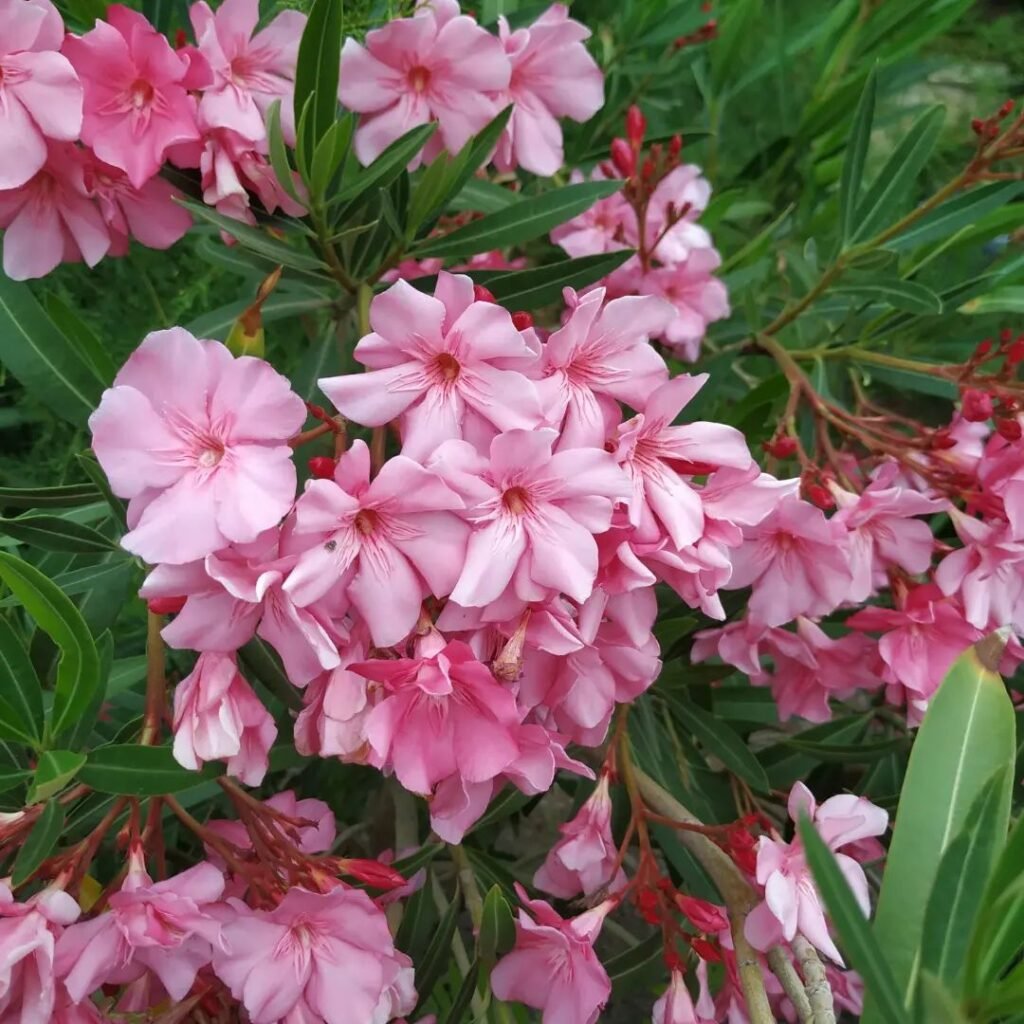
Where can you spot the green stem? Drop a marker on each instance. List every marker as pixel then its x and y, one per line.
pixel 156 681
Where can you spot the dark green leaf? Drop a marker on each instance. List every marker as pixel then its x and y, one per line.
pixel 10 778
pixel 734 31
pixel 39 843
pixel 56 768
pixel 264 666
pixel 497 934
pixel 129 769
pixel 52 533
pixel 856 153
pixel 409 865
pixel 78 671
pixel 90 346
pixel 419 919
pixel 526 220
pixel 279 152
pixel 630 968
pixel 330 152
pixel 539 286
pixel 388 165
pixel 464 997
pixel 66 496
pixel 962 211
pixel 998 940
pixel 435 960
pixel 316 72
pixel 906 295
pixel 218 322
pixel 481 196
pixel 21 694
pixel 1008 299
pixel 95 473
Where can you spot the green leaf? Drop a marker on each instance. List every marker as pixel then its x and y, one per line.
pixel 855 936
pixel 47 365
pixel 388 165
pixel 526 220
pixel 719 739
pixel 39 843
pixel 539 286
pixel 962 211
pixel 497 934
pixel 129 769
pixel 960 881
pixel 51 533
pixel 438 954
pixel 464 997
pixel 78 673
pixel 89 344
pixel 55 770
pixel 410 864
pixel 735 29
pixel 937 1002
pixel 330 153
pixel 997 941
pixel 906 295
pixel 216 323
pixel 65 496
pixel 279 153
pixel 94 471
pixel 261 664
pixel 480 196
pixel 81 581
pixel 317 70
pixel 967 735
pixel 1008 299
pixel 21 694
pixel 856 154
pixel 11 778
pixel 419 918
pixel 629 969
pixel 879 207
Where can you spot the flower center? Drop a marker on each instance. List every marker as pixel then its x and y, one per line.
pixel 209 457
pixel 419 78
pixel 448 365
pixel 366 521
pixel 516 500
pixel 140 94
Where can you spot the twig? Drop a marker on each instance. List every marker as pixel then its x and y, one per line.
pixel 819 991
pixel 784 970
pixel 155 679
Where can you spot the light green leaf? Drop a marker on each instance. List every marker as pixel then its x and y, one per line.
pixel 280 306
pixel 1009 299
pixel 856 154
pixel 330 153
pixel 905 295
pixel 129 769
pixel 497 934
pixel 937 1002
pixel 279 153
pixel 56 768
pixel 39 843
pixel 51 533
pixel 484 197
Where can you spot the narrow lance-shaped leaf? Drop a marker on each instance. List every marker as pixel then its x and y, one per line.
pixel 132 770
pixel 39 843
pixel 52 533
pixel 317 70
pixel 56 768
pixel 21 694
pixel 856 154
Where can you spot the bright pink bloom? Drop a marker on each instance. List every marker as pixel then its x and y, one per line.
pixel 435 361
pixel 40 95
pixel 599 357
pixel 28 934
pixel 441 716
pixel 435 66
pixel 535 515
pixel 602 228
pixel 196 438
pixel 575 986
pixel 676 1005
pixel 584 859
pixel 51 219
pixel 796 560
pixel 218 717
pixel 388 543
pixel 136 105
pixel 250 70
pixel 792 903
pixel 316 834
pixel 165 928
pixel 553 76
pixel 315 957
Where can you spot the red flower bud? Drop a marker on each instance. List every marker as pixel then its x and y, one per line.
pixel 647 171
pixel 1006 335
pixel 481 294
pixel 977 125
pixel 976 406
pixel 943 440
pixel 321 467
pixel 647 904
pixel 166 605
pixel 522 320
pixel 1006 109
pixel 1010 429
pixel 636 125
pixel 180 39
pixel 706 951
pixel 673 961
pixel 675 145
pixel 623 157
pixel 983 349
pixel 820 496
pixel 1016 352
pixel 373 873
pixel 781 447
pixel 704 915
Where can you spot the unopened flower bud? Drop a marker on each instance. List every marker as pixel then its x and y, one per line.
pixel 166 605
pixel 977 125
pixel 1016 352
pixel 707 951
pixel 522 320
pixel 781 447
pixel 983 349
pixel 1009 429
pixel 246 337
pixel 623 157
pixel 482 294
pixel 820 496
pixel 321 467
pixel 943 440
pixel 675 146
pixel 1006 109
pixel 704 915
pixel 976 406
pixel 372 872
pixel 636 125
pixel 1006 335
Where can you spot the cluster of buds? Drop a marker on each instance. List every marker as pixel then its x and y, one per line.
pixel 988 128
pixel 643 173
pixel 707 32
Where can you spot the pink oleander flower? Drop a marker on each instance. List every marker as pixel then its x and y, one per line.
pixel 602 228
pixel 553 76
pixel 584 860
pixel 136 103
pixel 218 717
pixel 535 515
pixel 148 214
pixel 438 65
pixel 441 716
pixel 250 69
pixel 792 903
pixel 435 362
pixel 315 957
pixel 599 357
pixel 315 835
pixel 686 191
pixel 387 543
pixel 51 219
pixel 167 929
pixel 920 639
pixel 882 531
pixel 797 562
pixel 657 455
pixel 28 935
pixel 676 1005
pixel 575 986
pixel 197 440
pixel 40 95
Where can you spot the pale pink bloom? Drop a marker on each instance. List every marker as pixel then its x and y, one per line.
pixel 432 361
pixel 1001 475
pixel 197 440
pixel 797 562
pixel 218 717
pixel 987 573
pixel 792 903
pixel 51 219
pixel 553 76
pixel 575 986
pixel 441 716
pixel 316 834
pixel 164 928
pixel 683 193
pixel 601 228
pixel 921 639
pixel 388 543
pixel 535 515
pixel 435 66
pixel 40 95
pixel 599 357
pixel 847 990
pixel 28 934
pixel 148 214
pixel 325 957
pixel 657 455
pixel 883 532
pixel 136 104
pixel 584 859
pixel 250 69
pixel 676 1005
